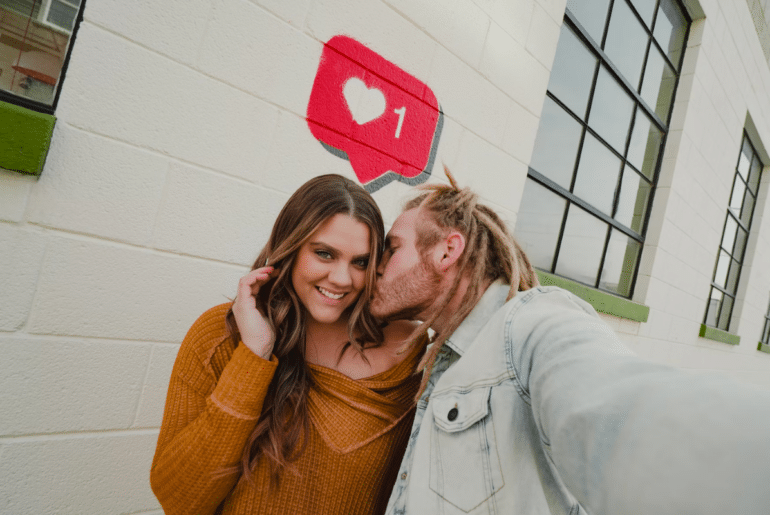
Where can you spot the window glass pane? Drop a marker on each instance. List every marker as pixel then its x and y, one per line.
pixel 658 85
pixel 632 205
pixel 573 72
pixel 645 8
pixel 32 53
pixel 756 170
pixel 725 313
pixel 597 176
pixel 611 111
pixel 728 238
pixel 748 208
pixel 556 145
pixel 26 7
pixel 62 15
pixel 591 16
pixel 715 302
pixel 670 28
pixel 720 276
pixel 744 161
pixel 619 264
pixel 538 223
pixel 740 244
pixel 736 198
pixel 732 277
pixel 626 42
pixel 582 246
pixel 645 144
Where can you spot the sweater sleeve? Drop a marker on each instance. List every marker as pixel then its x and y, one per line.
pixel 203 435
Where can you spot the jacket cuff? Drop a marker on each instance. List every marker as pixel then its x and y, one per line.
pixel 242 387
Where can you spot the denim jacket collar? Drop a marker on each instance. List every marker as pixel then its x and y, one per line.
pixel 492 300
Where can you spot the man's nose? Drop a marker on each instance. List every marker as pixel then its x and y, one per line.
pixel 381 266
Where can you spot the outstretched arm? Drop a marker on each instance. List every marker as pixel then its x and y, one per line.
pixel 628 436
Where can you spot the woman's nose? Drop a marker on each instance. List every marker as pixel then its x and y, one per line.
pixel 340 275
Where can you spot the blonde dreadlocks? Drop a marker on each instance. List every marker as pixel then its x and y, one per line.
pixel 490 253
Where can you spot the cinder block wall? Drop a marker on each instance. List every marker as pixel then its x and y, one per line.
pixel 181 132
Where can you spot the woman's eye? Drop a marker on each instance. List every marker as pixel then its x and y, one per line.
pixel 323 254
pixel 361 263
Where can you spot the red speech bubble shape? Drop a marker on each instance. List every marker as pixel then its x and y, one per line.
pixel 371 112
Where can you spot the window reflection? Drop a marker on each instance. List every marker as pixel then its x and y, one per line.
pixel 626 42
pixel 619 264
pixel 538 223
pixel 658 85
pixel 611 111
pixel 591 15
pixel 645 8
pixel 714 303
pixel 573 72
pixel 581 246
pixel 645 144
pixel 34 40
pixel 558 130
pixel 633 200
pixel 597 175
pixel 670 30
pixel 756 170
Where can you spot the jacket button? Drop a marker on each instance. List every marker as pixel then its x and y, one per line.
pixel 452 414
pixel 403 476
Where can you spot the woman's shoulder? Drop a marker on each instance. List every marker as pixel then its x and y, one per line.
pixel 210 324
pixel 207 334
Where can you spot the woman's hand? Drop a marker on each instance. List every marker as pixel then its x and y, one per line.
pixel 255 330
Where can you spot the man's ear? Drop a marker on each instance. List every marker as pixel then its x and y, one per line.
pixel 449 250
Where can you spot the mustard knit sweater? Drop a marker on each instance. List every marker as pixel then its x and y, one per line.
pixel 359 431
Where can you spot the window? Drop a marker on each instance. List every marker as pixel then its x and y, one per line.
pixel 601 136
pixel 766 329
pixel 735 235
pixel 35 38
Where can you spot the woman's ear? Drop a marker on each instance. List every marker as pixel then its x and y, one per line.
pixel 449 250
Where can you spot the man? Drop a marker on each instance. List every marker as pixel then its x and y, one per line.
pixel 530 404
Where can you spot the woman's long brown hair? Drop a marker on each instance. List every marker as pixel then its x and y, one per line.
pixel 281 432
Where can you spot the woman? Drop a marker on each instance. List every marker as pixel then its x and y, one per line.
pixel 293 399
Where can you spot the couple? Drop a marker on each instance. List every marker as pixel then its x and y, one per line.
pixel 298 398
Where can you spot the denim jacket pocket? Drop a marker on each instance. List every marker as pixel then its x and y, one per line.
pixel 464 465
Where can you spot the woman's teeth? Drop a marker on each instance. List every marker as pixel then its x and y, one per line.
pixel 331 295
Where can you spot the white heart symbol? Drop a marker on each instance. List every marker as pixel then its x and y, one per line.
pixel 365 104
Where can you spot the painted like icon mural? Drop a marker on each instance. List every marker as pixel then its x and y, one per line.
pixel 368 110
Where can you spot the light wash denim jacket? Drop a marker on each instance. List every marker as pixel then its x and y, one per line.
pixel 535 407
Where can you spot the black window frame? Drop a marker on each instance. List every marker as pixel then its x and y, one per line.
pixel 663 126
pixel 40 107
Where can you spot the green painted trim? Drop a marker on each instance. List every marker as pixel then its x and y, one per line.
pixel 601 301
pixel 25 136
pixel 718 335
pixel 763 347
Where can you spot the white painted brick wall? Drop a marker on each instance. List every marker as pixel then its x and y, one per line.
pixel 181 133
